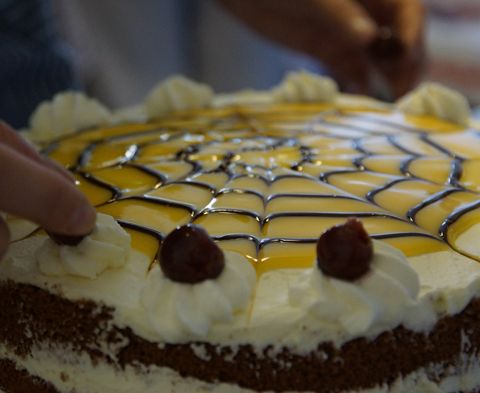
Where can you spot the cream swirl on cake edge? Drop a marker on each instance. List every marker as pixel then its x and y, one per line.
pixel 433 99
pixel 67 112
pixel 177 93
pixel 296 86
pixel 107 247
pixel 178 310
pixel 384 297
pixel 303 86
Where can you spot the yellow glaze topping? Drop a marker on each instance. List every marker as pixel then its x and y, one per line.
pixel 266 181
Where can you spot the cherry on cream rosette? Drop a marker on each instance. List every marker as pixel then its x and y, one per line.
pixel 195 285
pixel 361 285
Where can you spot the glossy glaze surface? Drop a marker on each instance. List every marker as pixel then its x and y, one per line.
pixel 268 180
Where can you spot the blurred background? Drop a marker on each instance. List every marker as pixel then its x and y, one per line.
pixel 202 41
pixel 453 44
pixel 117 50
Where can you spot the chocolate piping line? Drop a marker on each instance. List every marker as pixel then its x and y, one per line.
pixel 358 162
pixel 455 216
pixel 161 179
pixel 306 154
pixel 229 211
pixel 405 166
pixel 273 216
pixel 370 196
pixel 357 145
pixel 324 196
pixel 379 236
pixel 89 151
pixel 115 191
pixel 425 138
pixel 456 171
pixel 224 191
pixel 394 142
pixel 413 211
pixel 194 184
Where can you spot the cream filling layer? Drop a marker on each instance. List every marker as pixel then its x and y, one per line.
pixel 70 372
pixel 448 281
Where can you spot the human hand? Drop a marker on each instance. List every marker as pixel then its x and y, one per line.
pixel 358 40
pixel 38 189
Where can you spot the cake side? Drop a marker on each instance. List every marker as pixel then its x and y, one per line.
pixel 93 336
pixel 86 336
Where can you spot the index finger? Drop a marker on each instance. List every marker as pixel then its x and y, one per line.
pixel 9 137
pixel 37 193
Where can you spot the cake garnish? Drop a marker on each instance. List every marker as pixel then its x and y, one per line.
pixel 433 99
pixel 177 93
pixel 189 255
pixel 65 113
pixel 66 240
pixel 345 251
pixel 107 247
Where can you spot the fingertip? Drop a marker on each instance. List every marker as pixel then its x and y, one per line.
pixel 67 209
pixel 88 217
pixel 81 219
pixel 40 194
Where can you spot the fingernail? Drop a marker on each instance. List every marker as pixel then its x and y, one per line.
pixel 82 220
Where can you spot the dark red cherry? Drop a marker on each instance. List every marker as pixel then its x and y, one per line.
pixel 345 251
pixel 189 255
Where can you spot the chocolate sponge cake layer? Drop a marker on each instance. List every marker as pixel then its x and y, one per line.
pixel 14 380
pixel 31 317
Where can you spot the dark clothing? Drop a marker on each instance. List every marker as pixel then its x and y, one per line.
pixel 34 65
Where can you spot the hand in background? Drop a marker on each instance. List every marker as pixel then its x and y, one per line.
pixel 355 39
pixel 36 188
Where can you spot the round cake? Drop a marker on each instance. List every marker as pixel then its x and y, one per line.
pixel 244 186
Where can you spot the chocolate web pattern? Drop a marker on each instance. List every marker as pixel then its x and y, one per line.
pixel 266 181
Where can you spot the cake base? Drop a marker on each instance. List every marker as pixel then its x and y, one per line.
pixel 73 344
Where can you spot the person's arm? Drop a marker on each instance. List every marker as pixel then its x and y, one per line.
pixel 342 34
pixel 36 188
